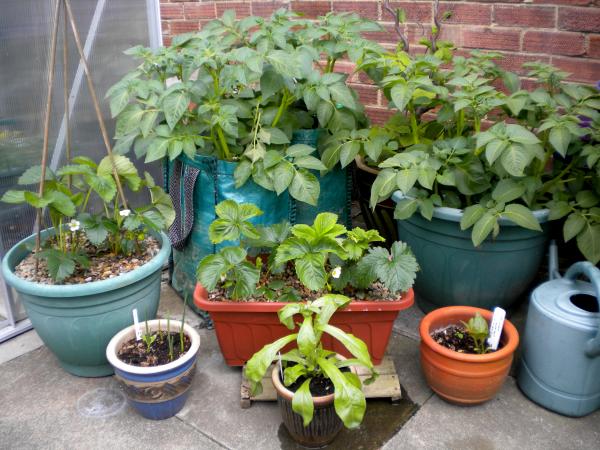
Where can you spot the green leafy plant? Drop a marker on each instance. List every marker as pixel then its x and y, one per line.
pixel 310 360
pixel 181 334
pixel 67 194
pixel 467 136
pixel 148 338
pixel 238 89
pixel 170 339
pixel 324 256
pixel 477 328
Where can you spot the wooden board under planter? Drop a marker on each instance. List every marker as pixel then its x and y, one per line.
pixel 387 385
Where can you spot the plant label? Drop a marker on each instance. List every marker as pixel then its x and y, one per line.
pixel 496 328
pixel 136 323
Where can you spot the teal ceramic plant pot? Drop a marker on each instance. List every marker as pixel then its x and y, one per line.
pixel 454 272
pixel 76 322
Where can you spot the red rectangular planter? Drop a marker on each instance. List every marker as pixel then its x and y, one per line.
pixel 243 328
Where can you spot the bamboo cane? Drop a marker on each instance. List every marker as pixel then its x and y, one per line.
pixel 38 218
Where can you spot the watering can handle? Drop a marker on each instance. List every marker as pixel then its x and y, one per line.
pixel 592 347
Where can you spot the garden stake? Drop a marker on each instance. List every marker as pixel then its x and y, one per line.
pixel 66 91
pixel 68 13
pixel 92 90
pixel 38 217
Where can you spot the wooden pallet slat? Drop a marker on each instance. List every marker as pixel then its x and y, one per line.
pixel 387 385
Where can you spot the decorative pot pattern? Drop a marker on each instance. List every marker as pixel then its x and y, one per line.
pixel 464 379
pixel 157 392
pixel 324 426
pixel 77 321
pixel 243 328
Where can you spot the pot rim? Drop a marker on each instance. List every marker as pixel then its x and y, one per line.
pixel 406 300
pixel 455 214
pixel 508 330
pixel 287 394
pixel 129 332
pixel 83 289
pixel 362 165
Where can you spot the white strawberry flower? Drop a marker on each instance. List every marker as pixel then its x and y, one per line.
pixel 124 212
pixel 337 272
pixel 223 278
pixel 74 225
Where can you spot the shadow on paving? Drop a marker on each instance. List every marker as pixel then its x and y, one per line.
pixel 382 421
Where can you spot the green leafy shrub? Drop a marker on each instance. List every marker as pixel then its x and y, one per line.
pixel 238 89
pixel 467 136
pixel 310 360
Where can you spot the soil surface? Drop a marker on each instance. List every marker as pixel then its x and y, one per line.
pixel 292 290
pixel 319 386
pixel 455 338
pixel 103 264
pixel 136 353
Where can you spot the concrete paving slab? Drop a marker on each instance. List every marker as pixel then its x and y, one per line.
pixel 19 345
pixel 407 322
pixel 510 421
pixel 405 353
pixel 45 407
pixel 214 405
pixel 171 305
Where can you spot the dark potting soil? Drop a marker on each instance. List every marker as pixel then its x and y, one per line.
pixel 319 386
pixel 455 338
pixel 136 353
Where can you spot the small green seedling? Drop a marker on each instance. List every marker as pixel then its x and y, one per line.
pixel 181 341
pixel 170 338
pixel 477 328
pixel 148 338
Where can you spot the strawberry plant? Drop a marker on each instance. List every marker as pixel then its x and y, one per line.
pixel 324 256
pixel 67 194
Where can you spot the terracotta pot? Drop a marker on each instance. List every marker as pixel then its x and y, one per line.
pixel 325 424
pixel 243 328
pixel 464 379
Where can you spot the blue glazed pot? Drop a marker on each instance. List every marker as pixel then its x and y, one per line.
pixel 76 321
pixel 453 272
pixel 156 392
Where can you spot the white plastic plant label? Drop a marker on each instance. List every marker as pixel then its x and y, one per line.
pixel 136 324
pixel 496 328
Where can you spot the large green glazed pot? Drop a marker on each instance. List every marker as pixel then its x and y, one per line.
pixel 453 272
pixel 76 322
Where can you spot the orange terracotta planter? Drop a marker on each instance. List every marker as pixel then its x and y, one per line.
pixel 243 328
pixel 457 377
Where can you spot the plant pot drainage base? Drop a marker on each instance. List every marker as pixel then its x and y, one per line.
pixel 103 370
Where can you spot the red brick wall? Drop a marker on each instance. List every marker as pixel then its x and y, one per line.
pixel 565 33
